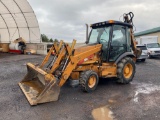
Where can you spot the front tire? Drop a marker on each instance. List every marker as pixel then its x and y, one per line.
pixel 89 80
pixel 125 70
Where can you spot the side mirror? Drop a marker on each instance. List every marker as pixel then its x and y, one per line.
pixel 86 33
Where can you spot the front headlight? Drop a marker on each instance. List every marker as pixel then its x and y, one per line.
pixel 150 51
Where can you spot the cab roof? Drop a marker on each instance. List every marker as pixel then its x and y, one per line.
pixel 110 22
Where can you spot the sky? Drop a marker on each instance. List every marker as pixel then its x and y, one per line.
pixel 66 19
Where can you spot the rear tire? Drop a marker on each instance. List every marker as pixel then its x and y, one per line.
pixel 89 80
pixel 143 60
pixel 125 70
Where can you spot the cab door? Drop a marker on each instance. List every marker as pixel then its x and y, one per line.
pixel 118 44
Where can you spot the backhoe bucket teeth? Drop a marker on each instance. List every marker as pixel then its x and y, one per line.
pixel 38 86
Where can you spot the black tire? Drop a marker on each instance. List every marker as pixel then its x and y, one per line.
pixel 143 60
pixel 149 56
pixel 84 80
pixel 120 70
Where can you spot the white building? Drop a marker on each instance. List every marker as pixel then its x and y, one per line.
pixel 151 35
pixel 17 19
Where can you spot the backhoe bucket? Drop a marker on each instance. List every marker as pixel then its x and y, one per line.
pixel 38 86
pixel 138 52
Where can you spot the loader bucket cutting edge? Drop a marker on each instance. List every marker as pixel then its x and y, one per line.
pixel 36 89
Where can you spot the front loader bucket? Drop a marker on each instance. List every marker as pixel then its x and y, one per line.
pixel 37 87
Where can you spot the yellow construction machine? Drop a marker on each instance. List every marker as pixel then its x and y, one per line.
pixel 110 51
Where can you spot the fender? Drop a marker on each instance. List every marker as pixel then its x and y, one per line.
pixel 130 54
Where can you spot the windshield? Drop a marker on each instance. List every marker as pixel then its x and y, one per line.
pixel 153 45
pixel 99 35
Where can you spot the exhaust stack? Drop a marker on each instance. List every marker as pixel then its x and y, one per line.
pixel 86 33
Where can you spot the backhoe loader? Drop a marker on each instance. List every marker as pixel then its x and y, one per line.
pixel 110 51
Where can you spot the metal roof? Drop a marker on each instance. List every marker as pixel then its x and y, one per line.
pixel 110 22
pixel 17 19
pixel 154 30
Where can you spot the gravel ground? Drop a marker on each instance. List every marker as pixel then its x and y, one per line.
pixel 139 100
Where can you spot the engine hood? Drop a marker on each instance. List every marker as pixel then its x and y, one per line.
pixel 154 49
pixel 84 47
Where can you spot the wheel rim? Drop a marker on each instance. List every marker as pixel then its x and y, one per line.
pixel 128 70
pixel 92 81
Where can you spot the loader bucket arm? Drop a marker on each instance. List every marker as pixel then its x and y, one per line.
pixel 74 60
pixel 54 47
pixel 61 55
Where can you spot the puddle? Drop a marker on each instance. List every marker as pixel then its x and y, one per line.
pixel 112 101
pixel 145 89
pixel 102 113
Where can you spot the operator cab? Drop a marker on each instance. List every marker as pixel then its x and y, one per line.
pixel 114 36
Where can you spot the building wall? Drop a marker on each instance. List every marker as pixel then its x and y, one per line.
pixel 152 34
pixel 40 48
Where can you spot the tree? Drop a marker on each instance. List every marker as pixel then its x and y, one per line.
pixel 44 38
pixel 56 40
pixel 51 40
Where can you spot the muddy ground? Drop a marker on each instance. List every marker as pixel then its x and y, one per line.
pixel 139 100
